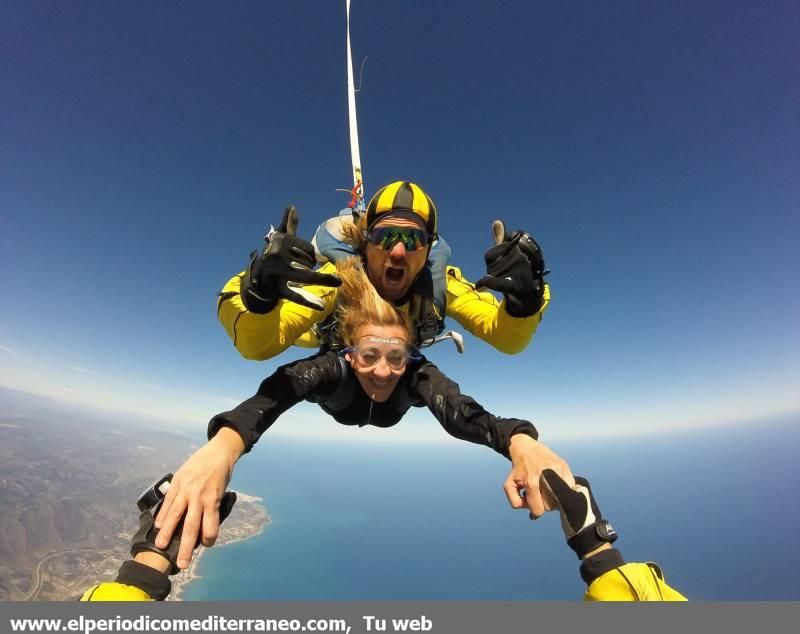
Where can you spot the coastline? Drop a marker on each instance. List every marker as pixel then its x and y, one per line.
pixel 248 519
pixel 182 580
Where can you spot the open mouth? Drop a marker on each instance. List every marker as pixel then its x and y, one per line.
pixel 394 274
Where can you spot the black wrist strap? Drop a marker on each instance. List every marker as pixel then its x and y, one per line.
pixel 600 564
pixel 592 537
pixel 150 580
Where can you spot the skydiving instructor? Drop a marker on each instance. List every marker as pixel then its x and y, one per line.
pixel 279 301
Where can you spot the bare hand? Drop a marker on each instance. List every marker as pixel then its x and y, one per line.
pixel 529 458
pixel 195 494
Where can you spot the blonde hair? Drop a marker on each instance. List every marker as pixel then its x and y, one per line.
pixel 353 234
pixel 359 304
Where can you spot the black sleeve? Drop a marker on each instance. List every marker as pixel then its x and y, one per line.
pixel 461 416
pixel 287 386
pixel 600 564
pixel 147 579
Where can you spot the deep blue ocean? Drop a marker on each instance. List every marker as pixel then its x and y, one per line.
pixel 718 509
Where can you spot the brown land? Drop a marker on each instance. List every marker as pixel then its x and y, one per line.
pixel 68 488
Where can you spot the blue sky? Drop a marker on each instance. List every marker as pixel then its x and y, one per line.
pixel 652 149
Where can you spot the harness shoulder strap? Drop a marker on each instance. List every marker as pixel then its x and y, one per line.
pixel 428 305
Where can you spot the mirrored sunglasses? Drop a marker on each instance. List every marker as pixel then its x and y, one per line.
pixel 386 237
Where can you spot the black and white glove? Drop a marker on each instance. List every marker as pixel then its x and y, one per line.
pixel 583 524
pixel 286 262
pixel 145 537
pixel 515 268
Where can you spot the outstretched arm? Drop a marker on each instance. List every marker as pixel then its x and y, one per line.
pixel 194 498
pixel 198 485
pixel 463 417
pixel 603 569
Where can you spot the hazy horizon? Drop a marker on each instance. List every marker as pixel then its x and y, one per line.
pixel 418 427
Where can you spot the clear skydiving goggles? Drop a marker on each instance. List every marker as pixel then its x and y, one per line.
pixel 385 238
pixel 368 355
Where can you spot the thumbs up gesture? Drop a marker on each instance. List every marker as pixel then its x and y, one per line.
pixel 515 268
pixel 282 268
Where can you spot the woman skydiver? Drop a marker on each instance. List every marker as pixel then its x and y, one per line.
pixel 373 381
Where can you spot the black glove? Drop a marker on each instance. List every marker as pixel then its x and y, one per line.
pixel 583 524
pixel 145 537
pixel 515 267
pixel 286 262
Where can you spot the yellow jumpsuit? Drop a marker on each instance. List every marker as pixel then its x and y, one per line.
pixel 261 337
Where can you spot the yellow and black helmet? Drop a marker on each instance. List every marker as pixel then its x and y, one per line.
pixel 399 199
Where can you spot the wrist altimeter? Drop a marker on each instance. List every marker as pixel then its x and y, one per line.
pixel 592 537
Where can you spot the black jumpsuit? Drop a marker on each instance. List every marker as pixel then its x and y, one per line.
pixel 327 379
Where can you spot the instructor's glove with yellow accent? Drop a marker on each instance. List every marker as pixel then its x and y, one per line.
pixel 277 273
pixel 581 520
